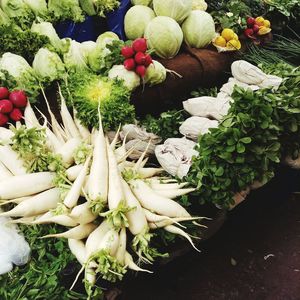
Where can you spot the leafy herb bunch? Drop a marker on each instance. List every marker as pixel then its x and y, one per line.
pixel 258 129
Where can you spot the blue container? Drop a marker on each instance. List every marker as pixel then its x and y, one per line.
pixel 92 27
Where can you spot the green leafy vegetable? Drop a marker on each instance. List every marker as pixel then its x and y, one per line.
pixel 259 129
pixel 66 10
pixel 89 90
pixel 167 125
pixel 22 42
pixel 40 278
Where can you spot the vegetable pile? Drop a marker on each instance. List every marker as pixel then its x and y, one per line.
pixel 78 179
pixel 89 193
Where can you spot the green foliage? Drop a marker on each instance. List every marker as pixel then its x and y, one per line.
pixel 249 142
pixel 89 90
pixel 199 92
pixel 285 7
pixel 104 7
pixel 21 42
pixel 167 125
pixel 40 278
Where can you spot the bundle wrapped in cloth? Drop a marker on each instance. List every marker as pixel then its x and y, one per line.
pixel 13 247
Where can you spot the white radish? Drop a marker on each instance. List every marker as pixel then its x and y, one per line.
pixel 166 186
pixel 110 242
pixel 120 254
pixel 26 185
pixel 68 149
pixel 149 172
pixel 74 193
pixel 77 248
pixel 96 237
pixel 170 221
pixel 10 159
pixel 35 205
pixel 77 233
pixel 16 200
pixel 30 117
pixel 173 193
pixel 24 220
pixel 5 135
pixel 53 142
pixel 136 217
pixel 73 172
pixel 67 119
pixel 115 190
pixel 131 265
pixel 175 230
pixel 98 179
pixel 59 219
pixel 57 130
pixel 83 214
pixel 156 203
pixel 84 132
pixel 4 172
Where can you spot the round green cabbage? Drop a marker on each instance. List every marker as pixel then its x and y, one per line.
pixel 142 2
pixel 198 29
pixel 106 38
pixel 199 5
pixel 156 73
pixel 136 20
pixel 130 79
pixel 175 9
pixel 47 64
pixel 164 36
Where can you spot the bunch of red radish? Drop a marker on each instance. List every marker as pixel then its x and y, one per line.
pixel 11 104
pixel 136 57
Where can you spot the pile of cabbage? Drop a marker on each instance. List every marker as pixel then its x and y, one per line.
pixel 166 24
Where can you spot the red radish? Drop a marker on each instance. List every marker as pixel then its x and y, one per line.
pixel 140 58
pixel 16 115
pixel 248 32
pixel 18 98
pixel 4 93
pixel 148 60
pixel 140 70
pixel 3 119
pixel 129 64
pixel 140 45
pixel 250 22
pixel 5 106
pixel 127 52
pixel 255 28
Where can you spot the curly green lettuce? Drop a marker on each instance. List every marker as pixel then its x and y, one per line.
pixel 66 10
pixel 88 90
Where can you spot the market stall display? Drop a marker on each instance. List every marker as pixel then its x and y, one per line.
pixel 100 180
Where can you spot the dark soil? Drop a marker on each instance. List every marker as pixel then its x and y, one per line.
pixel 256 254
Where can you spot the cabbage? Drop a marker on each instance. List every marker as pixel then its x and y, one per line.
pixel 131 79
pixel 142 2
pixel 156 73
pixel 4 19
pixel 15 65
pixel 47 29
pixel 175 9
pixel 136 20
pixel 66 10
pixel 74 58
pixel 39 7
pixel 164 36
pixel 199 5
pixel 48 64
pixel 19 11
pixel 198 29
pixel 87 48
pixel 106 38
pixel 97 57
